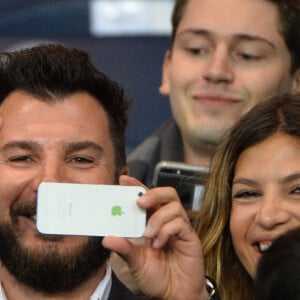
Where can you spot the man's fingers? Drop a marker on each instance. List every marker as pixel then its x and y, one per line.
pixel 126 249
pixel 128 180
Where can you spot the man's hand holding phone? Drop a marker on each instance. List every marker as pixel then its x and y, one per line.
pixel 171 249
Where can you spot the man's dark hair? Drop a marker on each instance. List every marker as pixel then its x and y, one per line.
pixel 52 72
pixel 289 26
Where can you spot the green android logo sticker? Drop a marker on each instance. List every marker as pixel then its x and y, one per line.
pixel 117 210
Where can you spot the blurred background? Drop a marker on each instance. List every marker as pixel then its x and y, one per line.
pixel 126 39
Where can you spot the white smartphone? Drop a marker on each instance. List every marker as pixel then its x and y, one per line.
pixel 90 210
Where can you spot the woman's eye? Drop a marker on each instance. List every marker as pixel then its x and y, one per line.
pixel 296 190
pixel 246 194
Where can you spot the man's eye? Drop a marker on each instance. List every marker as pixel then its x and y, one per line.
pixel 21 159
pixel 82 159
pixel 196 51
pixel 246 194
pixel 247 57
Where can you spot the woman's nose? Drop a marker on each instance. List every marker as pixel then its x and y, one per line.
pixel 272 213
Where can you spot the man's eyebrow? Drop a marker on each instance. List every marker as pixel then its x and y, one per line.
pixel 254 38
pixel 195 32
pixel 77 146
pixel 25 145
pixel 238 36
pixel 32 145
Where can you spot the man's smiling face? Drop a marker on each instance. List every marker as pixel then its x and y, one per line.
pixel 65 141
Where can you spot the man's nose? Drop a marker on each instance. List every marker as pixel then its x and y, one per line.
pixel 52 170
pixel 219 68
pixel 272 212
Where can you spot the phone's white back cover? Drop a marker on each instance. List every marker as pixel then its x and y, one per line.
pixel 90 209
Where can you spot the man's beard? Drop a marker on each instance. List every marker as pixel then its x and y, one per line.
pixel 50 271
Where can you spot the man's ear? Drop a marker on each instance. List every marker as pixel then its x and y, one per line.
pixel 296 81
pixel 164 88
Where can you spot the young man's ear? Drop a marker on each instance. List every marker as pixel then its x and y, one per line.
pixel 164 88
pixel 296 81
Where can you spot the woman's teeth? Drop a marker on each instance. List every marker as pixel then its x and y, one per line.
pixel 263 246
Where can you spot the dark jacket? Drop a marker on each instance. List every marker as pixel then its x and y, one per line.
pixel 120 292
pixel 164 144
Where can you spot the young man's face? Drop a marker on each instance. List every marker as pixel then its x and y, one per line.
pixel 67 141
pixel 227 56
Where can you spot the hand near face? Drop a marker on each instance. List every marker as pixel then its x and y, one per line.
pixel 169 264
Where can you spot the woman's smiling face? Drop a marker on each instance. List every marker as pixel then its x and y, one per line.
pixel 265 196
